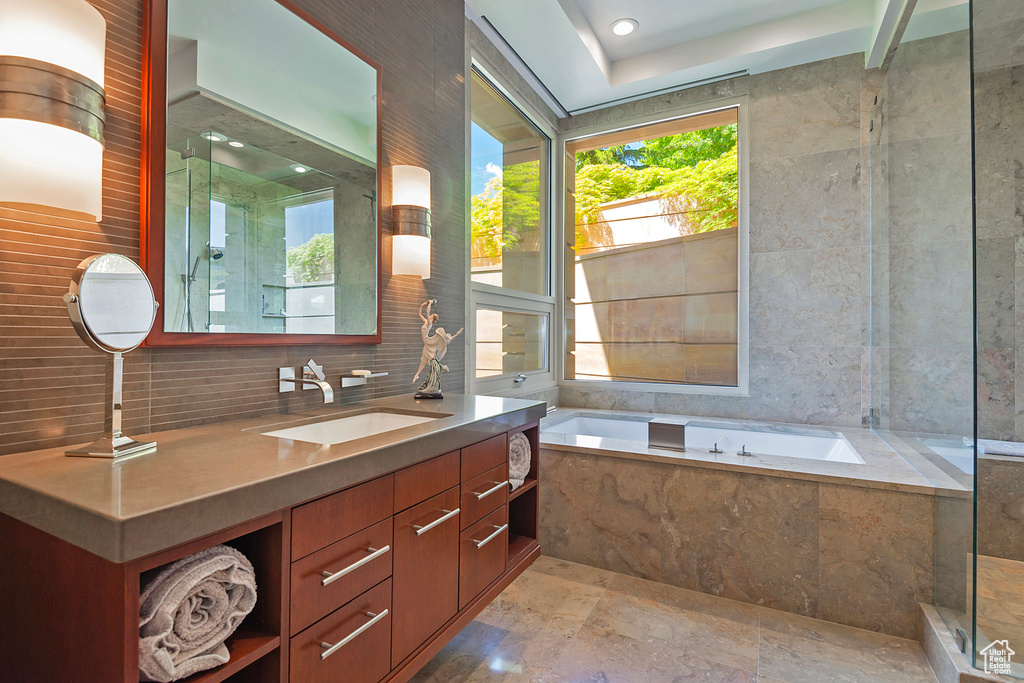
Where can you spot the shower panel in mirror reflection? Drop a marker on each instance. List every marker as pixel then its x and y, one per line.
pixel 270 222
pixel 251 239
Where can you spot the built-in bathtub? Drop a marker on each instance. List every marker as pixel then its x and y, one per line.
pixel 715 437
pixel 828 522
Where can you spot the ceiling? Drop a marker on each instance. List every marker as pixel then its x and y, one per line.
pixel 570 47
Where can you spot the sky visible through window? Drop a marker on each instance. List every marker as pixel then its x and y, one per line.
pixel 303 221
pixel 486 158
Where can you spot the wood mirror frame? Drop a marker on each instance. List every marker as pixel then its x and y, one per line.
pixel 154 121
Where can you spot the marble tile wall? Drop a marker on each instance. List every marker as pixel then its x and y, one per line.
pixel 922 239
pixel 808 248
pixel 855 556
pixel 999 160
pixel 999 155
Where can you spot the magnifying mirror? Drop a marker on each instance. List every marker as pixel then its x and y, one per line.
pixel 112 307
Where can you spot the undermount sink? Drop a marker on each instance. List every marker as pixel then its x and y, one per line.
pixel 350 428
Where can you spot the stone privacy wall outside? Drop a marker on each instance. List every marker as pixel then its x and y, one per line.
pixel 52 385
pixel 658 311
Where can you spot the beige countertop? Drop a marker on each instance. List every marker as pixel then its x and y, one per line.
pixel 207 478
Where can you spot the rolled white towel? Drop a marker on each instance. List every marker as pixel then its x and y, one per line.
pixel 518 460
pixel 189 609
pixel 992 447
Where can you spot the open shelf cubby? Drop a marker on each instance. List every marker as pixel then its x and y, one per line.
pixel 524 502
pixel 256 646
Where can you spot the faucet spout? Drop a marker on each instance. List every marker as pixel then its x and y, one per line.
pixel 323 385
pixel 288 381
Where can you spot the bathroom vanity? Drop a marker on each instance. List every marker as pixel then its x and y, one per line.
pixel 377 549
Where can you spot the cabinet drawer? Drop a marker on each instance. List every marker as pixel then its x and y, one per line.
pixel 426 573
pixel 417 483
pixel 482 552
pixel 362 560
pixel 484 494
pixel 483 456
pixel 365 656
pixel 318 524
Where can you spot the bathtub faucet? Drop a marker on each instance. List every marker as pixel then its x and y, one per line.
pixel 666 434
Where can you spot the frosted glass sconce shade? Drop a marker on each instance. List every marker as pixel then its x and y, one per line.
pixel 410 210
pixel 52 104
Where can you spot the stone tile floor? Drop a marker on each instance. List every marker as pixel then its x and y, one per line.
pixel 561 622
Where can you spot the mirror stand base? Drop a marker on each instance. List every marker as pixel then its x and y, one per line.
pixel 113 448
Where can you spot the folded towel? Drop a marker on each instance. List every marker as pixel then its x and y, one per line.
pixel 518 460
pixel 992 447
pixel 189 609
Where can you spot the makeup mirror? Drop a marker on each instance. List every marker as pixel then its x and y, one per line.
pixel 112 308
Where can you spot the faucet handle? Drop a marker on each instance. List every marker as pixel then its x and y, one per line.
pixel 317 370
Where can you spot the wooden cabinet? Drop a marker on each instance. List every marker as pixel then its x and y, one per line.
pixel 353 644
pixel 329 578
pixel 426 574
pixel 317 524
pixel 484 494
pixel 363 585
pixel 483 548
pixel 417 483
pixel 483 456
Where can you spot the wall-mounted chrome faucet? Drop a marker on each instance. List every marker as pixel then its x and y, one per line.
pixel 312 376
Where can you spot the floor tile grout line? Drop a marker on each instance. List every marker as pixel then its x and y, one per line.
pixel 757 664
pixel 579 628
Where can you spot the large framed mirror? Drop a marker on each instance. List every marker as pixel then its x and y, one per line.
pixel 260 177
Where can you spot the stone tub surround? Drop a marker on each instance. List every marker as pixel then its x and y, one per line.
pixel 561 622
pixel 852 544
pixel 204 479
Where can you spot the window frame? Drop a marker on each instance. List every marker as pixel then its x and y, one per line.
pixel 742 104
pixel 491 297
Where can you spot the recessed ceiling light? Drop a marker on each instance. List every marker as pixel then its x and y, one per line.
pixel 213 137
pixel 623 27
pixel 299 169
pixel 236 143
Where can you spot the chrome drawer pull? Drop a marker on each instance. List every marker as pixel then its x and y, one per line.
pixel 497 487
pixel 331 649
pixel 331 577
pixel 424 529
pixel 481 544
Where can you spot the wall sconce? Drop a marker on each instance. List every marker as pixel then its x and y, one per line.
pixel 410 214
pixel 52 104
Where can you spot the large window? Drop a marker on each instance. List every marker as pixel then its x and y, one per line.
pixel 510 271
pixel 652 278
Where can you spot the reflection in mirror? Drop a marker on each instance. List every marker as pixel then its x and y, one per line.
pixel 116 302
pixel 271 183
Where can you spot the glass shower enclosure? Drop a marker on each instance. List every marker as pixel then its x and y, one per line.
pixel 947 304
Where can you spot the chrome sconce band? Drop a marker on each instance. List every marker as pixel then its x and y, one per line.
pixel 38 91
pixel 411 220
